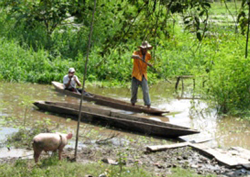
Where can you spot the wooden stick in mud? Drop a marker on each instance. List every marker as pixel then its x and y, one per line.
pixel 84 78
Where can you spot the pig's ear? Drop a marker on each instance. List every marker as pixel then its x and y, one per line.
pixel 69 136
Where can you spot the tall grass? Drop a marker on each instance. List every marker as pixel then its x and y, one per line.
pixel 25 65
pixel 21 64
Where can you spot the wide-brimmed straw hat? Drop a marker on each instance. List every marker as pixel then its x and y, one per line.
pixel 145 45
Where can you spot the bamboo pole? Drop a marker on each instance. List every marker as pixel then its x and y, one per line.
pixel 248 23
pixel 84 78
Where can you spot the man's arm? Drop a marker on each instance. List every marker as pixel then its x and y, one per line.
pixel 138 57
pixel 77 81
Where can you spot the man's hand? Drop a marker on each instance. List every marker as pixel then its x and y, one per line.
pixel 136 57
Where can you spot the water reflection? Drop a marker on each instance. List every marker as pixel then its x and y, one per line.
pixel 224 132
pixel 5 131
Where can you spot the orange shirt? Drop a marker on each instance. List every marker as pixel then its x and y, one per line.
pixel 140 68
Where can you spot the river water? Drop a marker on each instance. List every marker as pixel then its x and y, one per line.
pixel 16 101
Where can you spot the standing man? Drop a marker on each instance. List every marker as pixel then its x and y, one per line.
pixel 139 74
pixel 70 81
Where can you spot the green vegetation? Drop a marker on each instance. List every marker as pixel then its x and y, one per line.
pixel 24 136
pixel 53 167
pixel 187 173
pixel 40 40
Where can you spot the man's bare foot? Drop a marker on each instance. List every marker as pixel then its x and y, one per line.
pixel 133 104
pixel 148 106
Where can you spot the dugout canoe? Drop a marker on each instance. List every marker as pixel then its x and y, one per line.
pixel 109 102
pixel 116 118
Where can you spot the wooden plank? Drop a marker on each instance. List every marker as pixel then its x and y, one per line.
pixel 243 151
pixel 226 158
pixel 165 147
pixel 246 166
pixel 222 157
pixel 185 76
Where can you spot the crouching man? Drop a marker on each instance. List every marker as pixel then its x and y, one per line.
pixel 71 80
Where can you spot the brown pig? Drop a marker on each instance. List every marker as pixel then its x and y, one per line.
pixel 50 142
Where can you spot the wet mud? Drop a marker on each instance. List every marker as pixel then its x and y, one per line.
pixel 118 151
pixel 224 132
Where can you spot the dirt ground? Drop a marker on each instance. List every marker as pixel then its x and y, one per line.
pixel 117 151
pixel 158 162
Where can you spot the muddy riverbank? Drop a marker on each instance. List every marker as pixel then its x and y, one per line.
pixel 224 131
pixel 17 110
pixel 117 151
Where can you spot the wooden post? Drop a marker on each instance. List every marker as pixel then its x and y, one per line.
pixel 177 82
pixel 182 85
pixel 84 78
pixel 193 83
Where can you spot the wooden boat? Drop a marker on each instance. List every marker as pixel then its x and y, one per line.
pixel 110 102
pixel 116 118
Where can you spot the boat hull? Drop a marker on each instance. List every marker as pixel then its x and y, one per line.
pixel 113 118
pixel 110 102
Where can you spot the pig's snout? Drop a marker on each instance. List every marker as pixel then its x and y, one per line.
pixel 69 136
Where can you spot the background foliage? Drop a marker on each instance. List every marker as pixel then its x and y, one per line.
pixel 40 40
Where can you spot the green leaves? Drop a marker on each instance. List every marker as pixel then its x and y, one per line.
pixel 197 21
pixel 229 80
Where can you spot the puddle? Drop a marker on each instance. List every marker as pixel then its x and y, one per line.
pixel 5 131
pixel 16 153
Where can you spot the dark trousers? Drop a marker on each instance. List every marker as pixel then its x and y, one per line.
pixel 77 90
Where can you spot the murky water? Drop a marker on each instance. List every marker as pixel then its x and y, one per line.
pixel 16 99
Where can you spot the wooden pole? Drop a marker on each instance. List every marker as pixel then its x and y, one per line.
pixel 84 78
pixel 177 82
pixel 248 22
